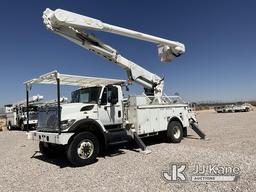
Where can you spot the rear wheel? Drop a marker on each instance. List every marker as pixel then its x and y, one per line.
pixel 23 127
pixel 9 126
pixel 84 149
pixel 174 132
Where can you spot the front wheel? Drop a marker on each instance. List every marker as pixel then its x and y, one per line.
pixel 174 132
pixel 83 150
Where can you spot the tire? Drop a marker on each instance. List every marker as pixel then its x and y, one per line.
pixel 23 127
pixel 9 127
pixel 83 150
pixel 47 149
pixel 185 132
pixel 174 132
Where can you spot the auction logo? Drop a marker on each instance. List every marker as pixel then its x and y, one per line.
pixel 177 172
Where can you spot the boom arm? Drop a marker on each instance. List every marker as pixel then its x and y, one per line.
pixel 71 25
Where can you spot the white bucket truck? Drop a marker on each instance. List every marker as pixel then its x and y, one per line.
pixel 98 114
pixel 16 116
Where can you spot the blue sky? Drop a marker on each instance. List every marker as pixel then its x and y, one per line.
pixel 219 63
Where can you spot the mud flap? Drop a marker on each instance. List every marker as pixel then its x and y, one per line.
pixel 195 127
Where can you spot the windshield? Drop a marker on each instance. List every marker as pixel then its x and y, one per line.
pixel 31 108
pixel 86 95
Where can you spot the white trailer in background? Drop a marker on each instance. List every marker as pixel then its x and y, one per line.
pixel 98 114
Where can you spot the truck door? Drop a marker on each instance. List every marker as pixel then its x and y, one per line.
pixel 110 109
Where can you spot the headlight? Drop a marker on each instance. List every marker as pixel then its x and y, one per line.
pixel 67 123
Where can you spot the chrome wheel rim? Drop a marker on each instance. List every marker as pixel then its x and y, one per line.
pixel 85 149
pixel 176 132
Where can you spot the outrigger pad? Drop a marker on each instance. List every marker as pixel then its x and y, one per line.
pixel 146 151
pixel 195 127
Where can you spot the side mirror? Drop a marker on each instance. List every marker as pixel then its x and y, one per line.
pixel 127 88
pixel 113 99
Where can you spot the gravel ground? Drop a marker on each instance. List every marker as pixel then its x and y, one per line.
pixel 231 142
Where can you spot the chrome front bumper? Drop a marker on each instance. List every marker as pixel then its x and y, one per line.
pixel 55 138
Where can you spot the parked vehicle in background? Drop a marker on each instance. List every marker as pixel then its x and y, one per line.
pixel 233 108
pixel 16 116
pixel 7 108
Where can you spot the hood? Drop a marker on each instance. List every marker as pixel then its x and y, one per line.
pixel 76 110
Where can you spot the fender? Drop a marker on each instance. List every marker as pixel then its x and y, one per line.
pixel 80 125
pixel 97 123
pixel 175 118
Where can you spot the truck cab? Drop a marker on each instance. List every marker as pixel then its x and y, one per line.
pixel 104 101
pixel 102 104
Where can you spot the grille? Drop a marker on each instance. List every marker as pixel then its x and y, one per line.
pixel 33 116
pixel 47 119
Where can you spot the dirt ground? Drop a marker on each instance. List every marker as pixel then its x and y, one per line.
pixel 231 143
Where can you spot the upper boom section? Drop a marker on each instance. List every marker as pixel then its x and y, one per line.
pixel 73 27
pixel 167 50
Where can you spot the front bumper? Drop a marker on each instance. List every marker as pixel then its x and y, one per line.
pixel 55 138
pixel 31 122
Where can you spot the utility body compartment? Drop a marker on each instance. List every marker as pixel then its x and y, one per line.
pixel 148 117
